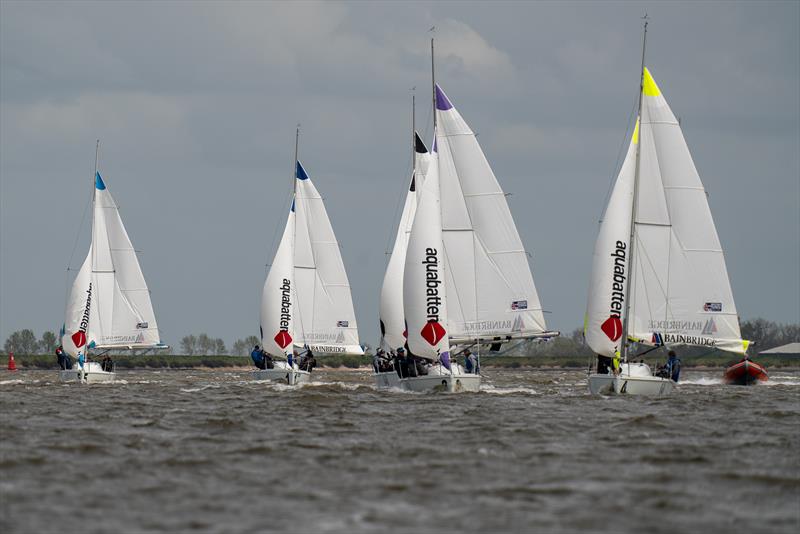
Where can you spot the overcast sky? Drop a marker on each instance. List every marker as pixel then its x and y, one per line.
pixel 196 104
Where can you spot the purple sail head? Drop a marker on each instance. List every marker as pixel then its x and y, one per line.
pixel 442 102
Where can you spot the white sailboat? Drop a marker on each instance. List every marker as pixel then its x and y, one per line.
pixel 466 279
pixel 109 306
pixel 658 245
pixel 306 301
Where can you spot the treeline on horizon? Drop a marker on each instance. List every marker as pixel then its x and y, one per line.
pixel 569 348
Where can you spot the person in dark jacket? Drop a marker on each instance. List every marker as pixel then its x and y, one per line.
pixel 258 357
pixel 673 366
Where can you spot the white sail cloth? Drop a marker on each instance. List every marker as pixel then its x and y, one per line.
pixel 109 305
pixel 392 317
pixel 324 318
pixel 278 296
pixel 424 280
pixel 489 282
pixel 681 292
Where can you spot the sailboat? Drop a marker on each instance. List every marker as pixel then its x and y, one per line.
pixel 466 279
pixel 109 306
pixel 306 301
pixel 658 274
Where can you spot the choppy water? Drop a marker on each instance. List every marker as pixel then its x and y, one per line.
pixel 212 451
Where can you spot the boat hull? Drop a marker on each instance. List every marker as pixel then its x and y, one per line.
pixel 745 373
pixel 437 379
pixel 633 379
pixel 92 373
pixel 283 373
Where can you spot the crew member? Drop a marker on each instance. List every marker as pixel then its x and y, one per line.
pixel 673 366
pixel 258 357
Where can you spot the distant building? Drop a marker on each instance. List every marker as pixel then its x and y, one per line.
pixel 791 350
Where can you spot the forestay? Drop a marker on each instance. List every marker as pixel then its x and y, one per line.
pixel 324 315
pixel 489 282
pixel 681 293
pixel 109 305
pixel 392 318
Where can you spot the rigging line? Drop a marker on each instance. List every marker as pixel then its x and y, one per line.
pixel 399 198
pixel 617 165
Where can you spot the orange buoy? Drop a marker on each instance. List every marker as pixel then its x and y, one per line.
pixel 12 365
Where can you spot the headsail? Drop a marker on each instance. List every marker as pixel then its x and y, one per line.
pixel 391 305
pixel 424 293
pixel 681 293
pixel 109 305
pixel 324 316
pixel 278 296
pixel 489 282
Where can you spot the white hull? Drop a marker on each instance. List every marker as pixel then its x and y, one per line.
pixel 437 379
pixel 92 373
pixel 283 373
pixel 633 379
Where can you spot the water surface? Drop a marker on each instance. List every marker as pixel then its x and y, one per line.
pixel 212 451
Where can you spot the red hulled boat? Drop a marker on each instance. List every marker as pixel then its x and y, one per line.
pixel 745 373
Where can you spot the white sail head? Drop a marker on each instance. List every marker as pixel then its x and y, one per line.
pixel 424 279
pixel 489 281
pixel 110 288
pixel 324 315
pixel 278 296
pixel 680 289
pixel 392 318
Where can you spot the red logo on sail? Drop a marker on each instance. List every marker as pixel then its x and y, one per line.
pixel 79 338
pixel 612 327
pixel 282 338
pixel 433 332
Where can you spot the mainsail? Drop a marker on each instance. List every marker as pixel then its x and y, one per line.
pixel 324 315
pixel 489 282
pixel 392 318
pixel 109 305
pixel 680 289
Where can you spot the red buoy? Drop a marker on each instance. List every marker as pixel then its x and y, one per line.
pixel 12 365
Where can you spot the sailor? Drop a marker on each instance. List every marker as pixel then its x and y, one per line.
pixel 603 364
pixel 81 359
pixel 107 365
pixel 401 363
pixel 307 363
pixel 615 363
pixel 468 367
pixel 291 357
pixel 258 357
pixel 377 361
pixel 61 357
pixel 673 366
pixel 472 362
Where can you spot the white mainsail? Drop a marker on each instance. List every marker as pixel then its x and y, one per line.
pixel 109 305
pixel 278 296
pixel 424 279
pixel 489 282
pixel 392 318
pixel 324 315
pixel 680 288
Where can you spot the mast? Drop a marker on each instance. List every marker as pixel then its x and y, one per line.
pixel 413 129
pixel 632 237
pixel 433 89
pixel 294 168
